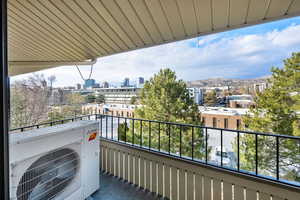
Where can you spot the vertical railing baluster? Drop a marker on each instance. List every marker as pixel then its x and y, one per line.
pixel 149 134
pixel 106 125
pixel 256 154
pixel 180 140
pixel 221 147
pixel 125 130
pixel 100 125
pixel 277 157
pixel 112 127
pixel 238 151
pixel 158 136
pixel 132 131
pixel 206 146
pixel 141 132
pixel 192 142
pixel 118 128
pixel 169 130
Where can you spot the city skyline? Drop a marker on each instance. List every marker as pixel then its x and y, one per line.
pixel 242 53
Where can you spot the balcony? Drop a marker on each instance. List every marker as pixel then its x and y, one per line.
pixel 112 188
pixel 140 159
pixel 38 35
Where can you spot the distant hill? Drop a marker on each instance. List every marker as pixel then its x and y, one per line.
pixel 218 82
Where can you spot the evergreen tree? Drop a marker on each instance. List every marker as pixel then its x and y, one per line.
pixel 133 100
pixel 100 99
pixel 90 98
pixel 276 111
pixel 277 107
pixel 165 98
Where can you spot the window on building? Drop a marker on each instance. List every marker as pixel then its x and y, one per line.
pixel 238 124
pixel 214 122
pixel 225 123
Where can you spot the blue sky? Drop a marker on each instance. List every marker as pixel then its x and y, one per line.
pixel 243 53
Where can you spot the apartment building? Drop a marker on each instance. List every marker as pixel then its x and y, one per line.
pixel 227 118
pixel 121 95
pixel 240 101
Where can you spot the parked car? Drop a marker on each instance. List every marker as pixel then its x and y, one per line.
pixel 217 156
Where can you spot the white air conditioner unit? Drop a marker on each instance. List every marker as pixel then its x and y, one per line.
pixel 59 162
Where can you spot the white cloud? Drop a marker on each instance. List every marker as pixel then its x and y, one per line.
pixel 207 39
pixel 217 56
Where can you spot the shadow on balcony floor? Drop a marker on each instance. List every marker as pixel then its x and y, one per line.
pixel 112 188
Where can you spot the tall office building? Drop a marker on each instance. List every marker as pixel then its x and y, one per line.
pixel 197 95
pixel 126 82
pixel 89 83
pixel 105 84
pixel 140 82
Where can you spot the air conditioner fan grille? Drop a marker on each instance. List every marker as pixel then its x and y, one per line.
pixel 49 175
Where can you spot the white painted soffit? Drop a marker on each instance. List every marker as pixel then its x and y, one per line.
pixel 50 33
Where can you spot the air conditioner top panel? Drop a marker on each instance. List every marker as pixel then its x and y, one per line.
pixel 15 138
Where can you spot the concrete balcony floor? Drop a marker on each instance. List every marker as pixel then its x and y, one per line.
pixel 112 188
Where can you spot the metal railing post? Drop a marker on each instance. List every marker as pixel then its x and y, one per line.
pixel 112 127
pixel 221 147
pixel 238 150
pixel 277 158
pixel 169 132
pixel 141 132
pixel 159 136
pixel 149 134
pixel 101 125
pixel 206 146
pixel 132 131
pixel 256 154
pixel 106 126
pixel 125 130
pixel 118 128
pixel 192 142
pixel 180 141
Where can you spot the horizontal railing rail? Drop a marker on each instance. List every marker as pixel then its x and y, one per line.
pixel 200 126
pixel 52 123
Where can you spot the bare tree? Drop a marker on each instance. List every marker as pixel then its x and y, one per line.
pixel 29 100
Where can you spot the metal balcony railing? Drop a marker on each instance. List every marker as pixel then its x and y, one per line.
pixel 217 147
pixel 53 123
pixel 275 158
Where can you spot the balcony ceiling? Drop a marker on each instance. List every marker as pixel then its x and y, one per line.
pixel 49 33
